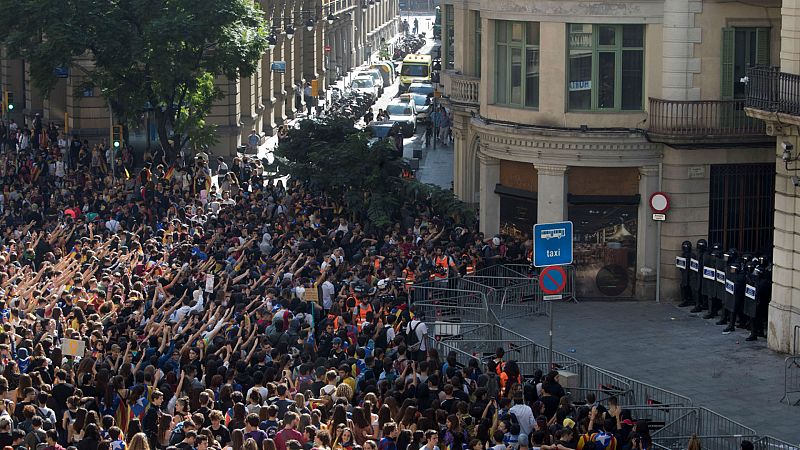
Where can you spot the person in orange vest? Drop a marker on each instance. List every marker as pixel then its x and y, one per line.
pixel 410 275
pixel 442 265
pixel 361 311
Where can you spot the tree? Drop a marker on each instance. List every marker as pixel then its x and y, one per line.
pixel 333 157
pixel 159 55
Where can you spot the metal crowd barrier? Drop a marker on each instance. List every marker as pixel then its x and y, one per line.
pixel 791 379
pixel 771 443
pixel 673 429
pixel 439 304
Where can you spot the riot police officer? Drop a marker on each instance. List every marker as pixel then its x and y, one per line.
pixel 696 278
pixel 749 306
pixel 728 303
pixel 763 284
pixel 709 283
pixel 682 263
pixel 719 274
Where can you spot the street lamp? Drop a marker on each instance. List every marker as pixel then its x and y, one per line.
pixel 289 31
pixel 363 5
pixel 309 24
pixel 331 18
pixel 272 40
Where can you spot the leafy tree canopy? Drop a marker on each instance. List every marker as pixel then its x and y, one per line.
pixel 147 54
pixel 333 157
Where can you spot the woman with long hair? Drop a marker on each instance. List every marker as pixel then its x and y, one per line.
pixel 91 438
pixel 362 427
pixel 237 439
pixel 76 428
pixel 250 444
pixel 409 419
pixel 138 442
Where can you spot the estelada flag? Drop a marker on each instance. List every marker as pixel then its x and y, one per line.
pixel 169 173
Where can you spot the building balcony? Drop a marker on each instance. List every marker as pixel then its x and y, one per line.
pixel 461 89
pixel 772 95
pixel 702 122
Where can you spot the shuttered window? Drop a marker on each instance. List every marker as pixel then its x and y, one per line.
pixel 741 47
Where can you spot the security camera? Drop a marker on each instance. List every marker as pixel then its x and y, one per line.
pixel 795 181
pixel 787 151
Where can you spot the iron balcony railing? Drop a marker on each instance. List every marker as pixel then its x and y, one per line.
pixel 769 89
pixel 702 121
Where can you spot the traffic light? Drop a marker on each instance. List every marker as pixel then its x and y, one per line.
pixel 8 101
pixel 116 136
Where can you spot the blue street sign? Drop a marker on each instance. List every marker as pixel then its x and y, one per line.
pixel 552 244
pixel 279 66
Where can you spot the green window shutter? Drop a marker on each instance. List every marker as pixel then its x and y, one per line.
pixel 726 63
pixel 762 46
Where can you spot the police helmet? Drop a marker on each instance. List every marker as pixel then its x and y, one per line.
pixel 763 260
pixel 686 246
pixel 759 270
pixel 751 265
pixel 746 257
pixel 731 255
pixel 702 245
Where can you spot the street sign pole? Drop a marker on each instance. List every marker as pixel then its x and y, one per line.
pixel 550 358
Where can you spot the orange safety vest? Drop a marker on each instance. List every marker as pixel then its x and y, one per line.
pixel 409 276
pixel 443 262
pixel 361 312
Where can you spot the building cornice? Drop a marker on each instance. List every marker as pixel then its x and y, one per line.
pixel 543 146
pixel 574 11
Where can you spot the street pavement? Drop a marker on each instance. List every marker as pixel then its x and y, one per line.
pixel 666 346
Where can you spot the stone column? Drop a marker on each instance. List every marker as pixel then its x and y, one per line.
pixel 267 92
pixel 790 36
pixel 278 85
pixel 552 203
pixel 679 36
pixel 647 240
pixel 490 201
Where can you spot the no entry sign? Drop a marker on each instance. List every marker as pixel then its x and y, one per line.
pixel 553 280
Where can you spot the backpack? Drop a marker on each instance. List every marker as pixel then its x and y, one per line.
pixel 380 341
pixel 178 434
pixel 412 340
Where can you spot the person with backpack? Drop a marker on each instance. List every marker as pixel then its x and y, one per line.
pixel 416 331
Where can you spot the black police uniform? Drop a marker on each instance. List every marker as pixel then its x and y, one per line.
pixel 763 296
pixel 682 263
pixel 749 305
pixel 696 277
pixel 726 299
pixel 709 282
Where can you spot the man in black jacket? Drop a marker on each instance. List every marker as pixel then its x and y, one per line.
pixel 151 417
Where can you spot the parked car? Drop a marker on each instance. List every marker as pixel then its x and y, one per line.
pixel 421 88
pixel 422 105
pixel 403 113
pixel 381 130
pixel 365 85
pixel 376 77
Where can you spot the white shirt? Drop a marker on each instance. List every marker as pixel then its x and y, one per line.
pixel 421 329
pixel 525 417
pixel 328 291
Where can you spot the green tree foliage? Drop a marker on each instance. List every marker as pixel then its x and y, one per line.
pixel 162 55
pixel 334 157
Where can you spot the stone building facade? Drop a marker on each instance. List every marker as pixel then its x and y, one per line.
pixel 343 34
pixel 580 111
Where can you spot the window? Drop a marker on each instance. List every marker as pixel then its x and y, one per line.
pixel 414 70
pixel 605 67
pixel 741 47
pixel 477 59
pixel 448 40
pixel 517 64
pixel 741 206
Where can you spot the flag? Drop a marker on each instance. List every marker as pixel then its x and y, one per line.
pixel 127 174
pixel 169 173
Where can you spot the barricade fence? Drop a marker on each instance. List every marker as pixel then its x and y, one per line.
pixel 771 443
pixel 671 428
pixel 791 379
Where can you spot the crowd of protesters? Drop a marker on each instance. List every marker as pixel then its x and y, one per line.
pixel 174 307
